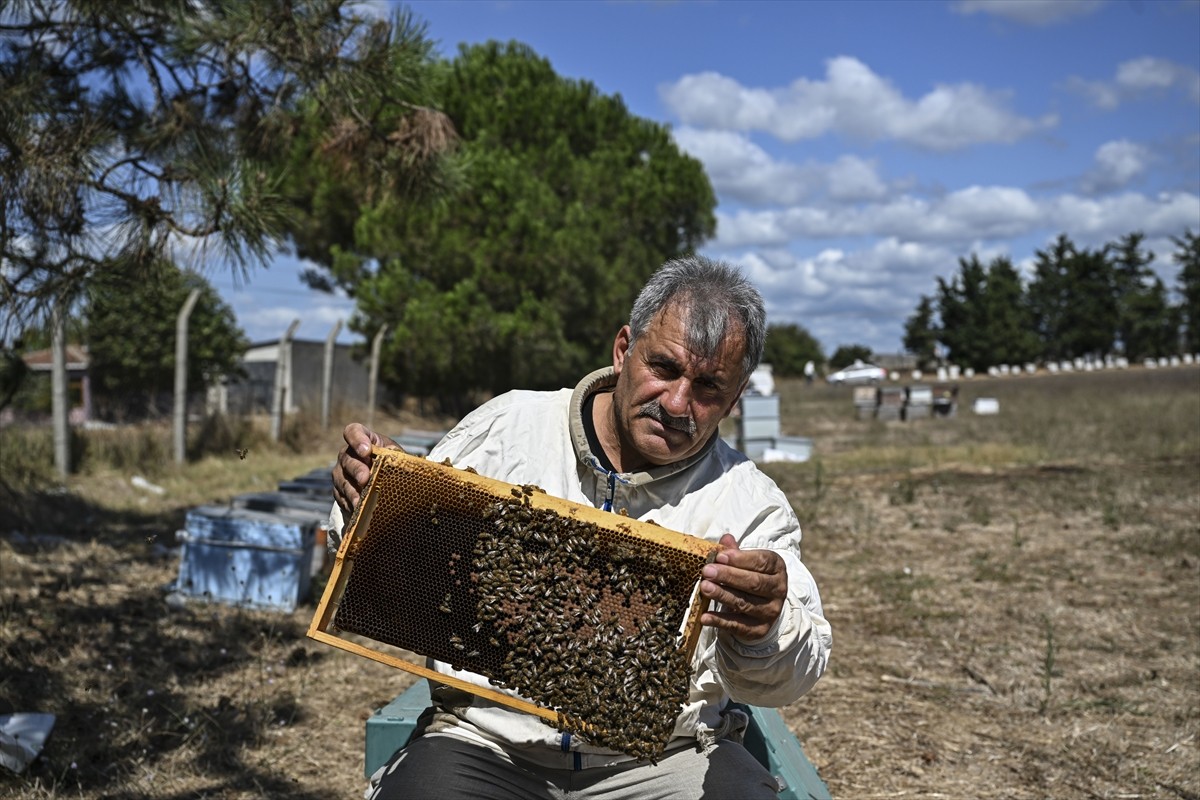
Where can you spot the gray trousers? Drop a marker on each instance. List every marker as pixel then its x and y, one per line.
pixel 436 767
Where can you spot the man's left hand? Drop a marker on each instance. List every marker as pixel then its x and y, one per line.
pixel 750 585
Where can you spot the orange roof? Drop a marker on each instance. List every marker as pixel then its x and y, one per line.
pixel 41 360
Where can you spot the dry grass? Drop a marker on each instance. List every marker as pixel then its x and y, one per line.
pixel 1015 601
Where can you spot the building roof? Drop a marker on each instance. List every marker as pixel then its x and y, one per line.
pixel 43 360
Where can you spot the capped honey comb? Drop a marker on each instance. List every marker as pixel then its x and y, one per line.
pixel 590 617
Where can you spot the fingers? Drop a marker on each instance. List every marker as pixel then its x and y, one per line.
pixel 353 467
pixel 360 439
pixel 350 474
pixel 749 585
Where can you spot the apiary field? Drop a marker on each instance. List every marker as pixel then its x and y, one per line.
pixel 1015 602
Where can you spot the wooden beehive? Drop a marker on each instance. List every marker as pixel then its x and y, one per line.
pixel 591 617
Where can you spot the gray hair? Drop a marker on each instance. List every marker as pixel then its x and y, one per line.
pixel 713 296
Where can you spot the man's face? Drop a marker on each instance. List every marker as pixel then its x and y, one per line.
pixel 667 402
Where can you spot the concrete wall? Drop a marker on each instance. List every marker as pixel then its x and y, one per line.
pixel 256 391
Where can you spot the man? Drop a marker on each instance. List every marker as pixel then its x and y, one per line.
pixel 639 437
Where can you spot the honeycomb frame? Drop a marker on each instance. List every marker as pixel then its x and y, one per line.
pixel 526 589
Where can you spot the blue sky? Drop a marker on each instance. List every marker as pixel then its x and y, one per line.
pixel 858 149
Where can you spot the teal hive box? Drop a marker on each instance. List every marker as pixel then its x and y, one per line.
pixel 768 739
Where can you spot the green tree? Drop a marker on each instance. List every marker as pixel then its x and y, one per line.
pixel 1050 297
pixel 1146 323
pixel 127 127
pixel 789 347
pixel 1152 324
pixel 961 309
pixel 13 373
pixel 568 203
pixel 847 354
pixel 1187 256
pixel 921 335
pixel 131 339
pixel 985 316
pixel 1007 328
pixel 1073 300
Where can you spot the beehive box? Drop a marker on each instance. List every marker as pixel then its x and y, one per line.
pixel 590 617
pixel 239 556
pixel 866 397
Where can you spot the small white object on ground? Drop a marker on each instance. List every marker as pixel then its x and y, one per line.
pixel 22 737
pixel 142 483
pixel 986 406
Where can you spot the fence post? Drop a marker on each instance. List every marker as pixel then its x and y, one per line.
pixel 376 345
pixel 327 375
pixel 181 356
pixel 282 374
pixel 59 403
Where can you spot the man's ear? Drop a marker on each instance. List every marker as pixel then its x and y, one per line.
pixel 736 397
pixel 620 348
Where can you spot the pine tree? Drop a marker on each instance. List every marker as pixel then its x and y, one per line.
pixel 920 334
pixel 567 203
pixel 131 131
pixel 1187 256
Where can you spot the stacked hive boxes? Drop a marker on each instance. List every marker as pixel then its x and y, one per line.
pixel 866 399
pixel 891 403
pixel 246 557
pixel 918 403
pixel 758 426
pixel 261 550
pixel 945 400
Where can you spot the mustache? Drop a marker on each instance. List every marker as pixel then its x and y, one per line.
pixel 654 410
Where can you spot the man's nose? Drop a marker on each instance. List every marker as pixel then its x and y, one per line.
pixel 678 398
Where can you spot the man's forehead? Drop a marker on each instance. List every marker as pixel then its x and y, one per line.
pixel 675 341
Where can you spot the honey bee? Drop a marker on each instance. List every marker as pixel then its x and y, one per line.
pixel 242 452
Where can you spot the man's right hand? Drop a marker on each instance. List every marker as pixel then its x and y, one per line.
pixel 353 467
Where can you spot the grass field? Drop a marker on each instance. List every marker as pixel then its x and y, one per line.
pixel 1015 602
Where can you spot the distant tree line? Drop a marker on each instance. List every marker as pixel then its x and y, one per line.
pixel 1078 303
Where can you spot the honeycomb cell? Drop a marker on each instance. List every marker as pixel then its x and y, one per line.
pixel 586 614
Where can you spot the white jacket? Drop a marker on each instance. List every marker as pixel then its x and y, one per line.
pixel 538 437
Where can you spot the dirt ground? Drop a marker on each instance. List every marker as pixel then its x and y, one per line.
pixel 1003 628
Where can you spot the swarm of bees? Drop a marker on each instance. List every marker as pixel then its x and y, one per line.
pixel 588 626
pixel 576 618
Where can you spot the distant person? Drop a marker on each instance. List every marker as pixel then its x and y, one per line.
pixel 810 369
pixel 640 437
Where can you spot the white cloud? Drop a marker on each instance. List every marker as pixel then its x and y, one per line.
pixel 854 101
pixel 851 178
pixel 974 214
pixel 1029 12
pixel 742 171
pixel 317 317
pixel 1168 214
pixel 1137 77
pixel 1147 73
pixel 842 296
pixel 1116 164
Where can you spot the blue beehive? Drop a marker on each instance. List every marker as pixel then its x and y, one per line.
pixel 241 556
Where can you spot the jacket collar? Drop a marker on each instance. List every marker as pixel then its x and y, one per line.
pixel 604 380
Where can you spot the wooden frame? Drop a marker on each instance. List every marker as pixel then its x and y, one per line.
pixel 386 460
